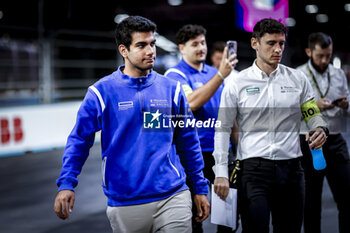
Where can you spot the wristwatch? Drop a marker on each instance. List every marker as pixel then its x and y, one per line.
pixel 325 129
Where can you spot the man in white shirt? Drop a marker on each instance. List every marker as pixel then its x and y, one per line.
pixel 329 84
pixel 267 100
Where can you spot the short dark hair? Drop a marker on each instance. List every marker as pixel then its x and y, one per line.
pixel 268 25
pixel 218 46
pixel 188 32
pixel 320 38
pixel 132 24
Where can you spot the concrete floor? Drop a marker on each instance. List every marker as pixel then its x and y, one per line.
pixel 27 192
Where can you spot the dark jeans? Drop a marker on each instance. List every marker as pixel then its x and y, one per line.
pixel 209 162
pixel 271 187
pixel 337 173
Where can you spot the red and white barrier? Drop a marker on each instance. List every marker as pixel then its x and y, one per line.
pixel 34 128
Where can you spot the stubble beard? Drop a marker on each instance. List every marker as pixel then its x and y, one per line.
pixel 319 69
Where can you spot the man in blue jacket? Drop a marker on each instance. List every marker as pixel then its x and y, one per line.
pixel 202 85
pixel 149 144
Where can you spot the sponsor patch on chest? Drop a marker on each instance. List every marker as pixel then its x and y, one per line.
pixel 252 90
pixel 197 85
pixel 125 105
pixel 159 102
pixel 288 89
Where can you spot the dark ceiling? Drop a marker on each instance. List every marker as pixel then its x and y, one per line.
pixel 21 19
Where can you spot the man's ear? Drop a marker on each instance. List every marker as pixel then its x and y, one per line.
pixel 308 52
pixel 123 51
pixel 254 43
pixel 181 47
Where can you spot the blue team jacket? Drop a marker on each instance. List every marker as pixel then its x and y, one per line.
pixel 210 109
pixel 145 152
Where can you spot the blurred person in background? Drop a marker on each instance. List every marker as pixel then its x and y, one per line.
pixel 331 95
pixel 144 172
pixel 267 100
pixel 202 85
pixel 216 56
pixel 217 53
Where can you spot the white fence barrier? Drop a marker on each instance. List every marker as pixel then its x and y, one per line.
pixel 35 128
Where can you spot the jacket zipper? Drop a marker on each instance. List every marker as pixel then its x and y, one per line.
pixel 140 96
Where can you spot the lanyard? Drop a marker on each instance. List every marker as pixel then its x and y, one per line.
pixel 316 84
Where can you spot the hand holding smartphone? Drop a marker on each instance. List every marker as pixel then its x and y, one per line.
pixel 231 47
pixel 336 102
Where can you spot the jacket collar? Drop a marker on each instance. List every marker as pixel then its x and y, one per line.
pixel 138 82
pixel 191 69
pixel 261 74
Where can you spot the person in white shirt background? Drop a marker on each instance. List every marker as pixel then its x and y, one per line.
pixel 267 100
pixel 329 84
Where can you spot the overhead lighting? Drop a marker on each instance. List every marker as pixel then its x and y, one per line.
pixel 119 17
pixel 174 2
pixel 1 14
pixel 219 2
pixel 311 9
pixel 165 44
pixel 290 22
pixel 337 62
pixel 322 18
pixel 347 7
pixel 264 4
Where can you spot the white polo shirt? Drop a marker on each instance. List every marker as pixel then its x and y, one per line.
pixel 268 113
pixel 337 86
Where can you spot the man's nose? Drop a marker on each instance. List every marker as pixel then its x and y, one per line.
pixel 278 48
pixel 150 49
pixel 325 59
pixel 201 46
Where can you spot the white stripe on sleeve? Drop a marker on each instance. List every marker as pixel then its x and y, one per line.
pixel 177 92
pixel 94 89
pixel 176 71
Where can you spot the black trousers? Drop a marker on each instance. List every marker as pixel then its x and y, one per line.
pixel 273 187
pixel 337 173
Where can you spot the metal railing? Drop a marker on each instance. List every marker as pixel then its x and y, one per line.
pixel 54 69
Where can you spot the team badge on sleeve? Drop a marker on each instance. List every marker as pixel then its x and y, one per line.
pixel 187 89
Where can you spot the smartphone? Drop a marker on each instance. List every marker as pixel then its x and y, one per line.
pixel 231 47
pixel 336 102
